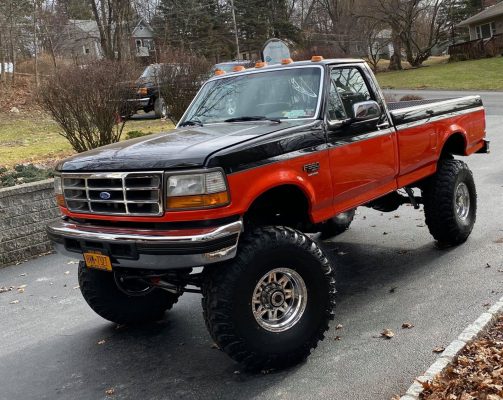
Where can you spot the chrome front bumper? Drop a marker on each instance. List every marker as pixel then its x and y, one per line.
pixel 146 248
pixel 142 102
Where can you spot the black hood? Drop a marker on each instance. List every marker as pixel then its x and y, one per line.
pixel 178 148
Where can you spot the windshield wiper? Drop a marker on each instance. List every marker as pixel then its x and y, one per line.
pixel 191 122
pixel 252 118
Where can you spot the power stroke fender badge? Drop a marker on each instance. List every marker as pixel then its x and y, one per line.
pixel 105 195
pixel 311 169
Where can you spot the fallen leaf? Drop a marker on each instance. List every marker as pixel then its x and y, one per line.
pixel 396 216
pixel 337 338
pixel 385 233
pixel 73 262
pixel 20 290
pixel 393 289
pixel 102 341
pixel 438 349
pixel 22 287
pixel 387 333
pixel 338 326
pixel 76 287
pixel 67 272
pixel 4 289
pixel 110 392
pixel 420 226
pixel 488 265
pixel 14 302
pixel 486 304
pixel 407 325
pixel 23 274
pixel 499 240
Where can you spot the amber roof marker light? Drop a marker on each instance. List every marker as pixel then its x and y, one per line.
pixel 219 72
pixel 260 64
pixel 286 61
pixel 316 58
pixel 238 68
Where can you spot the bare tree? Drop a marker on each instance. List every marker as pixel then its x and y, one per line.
pixel 87 102
pixel 112 18
pixel 416 25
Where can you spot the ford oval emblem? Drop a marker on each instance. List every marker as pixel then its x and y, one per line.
pixel 105 195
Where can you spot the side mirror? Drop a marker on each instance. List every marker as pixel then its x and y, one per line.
pixel 366 110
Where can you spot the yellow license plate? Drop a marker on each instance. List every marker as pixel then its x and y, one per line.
pixel 98 261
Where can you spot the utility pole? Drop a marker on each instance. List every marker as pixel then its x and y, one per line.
pixel 35 41
pixel 238 53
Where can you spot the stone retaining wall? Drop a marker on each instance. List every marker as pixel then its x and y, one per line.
pixel 25 210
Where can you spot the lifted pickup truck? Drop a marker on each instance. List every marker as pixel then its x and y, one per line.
pixel 261 157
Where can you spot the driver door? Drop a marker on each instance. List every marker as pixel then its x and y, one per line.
pixel 363 154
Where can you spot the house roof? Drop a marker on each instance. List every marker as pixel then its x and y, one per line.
pixel 139 24
pixel 88 26
pixel 488 13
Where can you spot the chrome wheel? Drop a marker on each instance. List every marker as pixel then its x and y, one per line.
pixel 462 201
pixel 279 299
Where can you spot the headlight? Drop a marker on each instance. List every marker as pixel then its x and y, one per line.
pixel 197 190
pixel 58 191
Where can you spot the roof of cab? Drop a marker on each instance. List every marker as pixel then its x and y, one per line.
pixel 327 61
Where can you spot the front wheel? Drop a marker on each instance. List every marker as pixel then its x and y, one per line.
pixel 450 202
pixel 268 307
pixel 100 290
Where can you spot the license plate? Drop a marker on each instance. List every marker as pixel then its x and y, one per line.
pixel 98 261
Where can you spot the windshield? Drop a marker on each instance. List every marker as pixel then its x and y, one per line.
pixel 151 71
pixel 279 94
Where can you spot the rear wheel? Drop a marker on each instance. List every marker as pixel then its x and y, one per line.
pixel 450 202
pixel 102 293
pixel 268 307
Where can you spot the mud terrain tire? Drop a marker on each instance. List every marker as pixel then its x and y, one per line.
pixel 450 202
pixel 103 296
pixel 233 290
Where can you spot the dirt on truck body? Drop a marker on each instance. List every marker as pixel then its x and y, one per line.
pixel 261 157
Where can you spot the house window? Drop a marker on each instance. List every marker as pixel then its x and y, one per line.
pixel 486 31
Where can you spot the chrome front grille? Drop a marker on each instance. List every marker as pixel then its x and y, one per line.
pixel 114 193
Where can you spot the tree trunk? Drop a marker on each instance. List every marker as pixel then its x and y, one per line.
pixel 395 62
pixel 2 60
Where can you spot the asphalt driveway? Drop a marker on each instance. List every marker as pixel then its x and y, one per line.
pixel 52 346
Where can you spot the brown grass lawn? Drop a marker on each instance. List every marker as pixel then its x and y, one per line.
pixel 34 137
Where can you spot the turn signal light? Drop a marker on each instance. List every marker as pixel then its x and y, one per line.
pixel 238 68
pixel 198 201
pixel 60 200
pixel 316 58
pixel 286 61
pixel 260 64
pixel 219 72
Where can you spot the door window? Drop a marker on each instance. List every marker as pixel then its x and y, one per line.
pixel 347 87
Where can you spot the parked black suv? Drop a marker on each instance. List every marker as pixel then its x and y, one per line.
pixel 147 95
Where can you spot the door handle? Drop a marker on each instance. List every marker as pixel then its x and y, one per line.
pixel 384 125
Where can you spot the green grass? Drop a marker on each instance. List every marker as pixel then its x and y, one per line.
pixel 485 74
pixel 35 138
